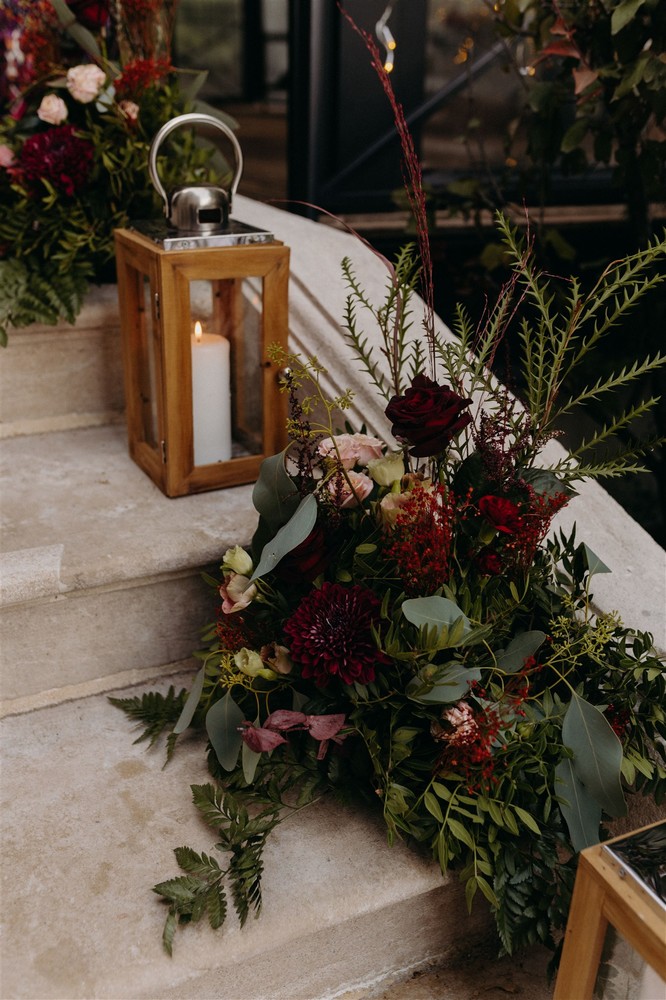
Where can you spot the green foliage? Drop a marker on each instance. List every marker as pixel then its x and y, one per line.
pixel 152 711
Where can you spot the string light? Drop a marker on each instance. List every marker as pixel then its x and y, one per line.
pixel 385 36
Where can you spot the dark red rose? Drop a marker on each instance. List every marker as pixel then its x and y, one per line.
pixel 503 514
pixel 428 416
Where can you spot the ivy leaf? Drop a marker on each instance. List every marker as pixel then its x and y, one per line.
pixel 581 813
pixel 223 720
pixel 519 649
pixel 437 612
pixel 597 754
pixel 291 534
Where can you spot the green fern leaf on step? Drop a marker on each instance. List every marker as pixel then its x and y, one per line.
pixel 153 711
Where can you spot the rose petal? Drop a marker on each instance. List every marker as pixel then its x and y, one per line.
pixel 261 740
pixel 284 719
pixel 324 727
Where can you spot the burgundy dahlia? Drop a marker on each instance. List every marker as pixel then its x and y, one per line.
pixel 58 156
pixel 330 634
pixel 428 416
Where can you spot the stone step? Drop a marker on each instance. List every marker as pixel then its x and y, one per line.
pixel 89 823
pixel 101 573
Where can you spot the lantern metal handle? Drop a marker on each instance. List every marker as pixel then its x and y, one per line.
pixel 193 119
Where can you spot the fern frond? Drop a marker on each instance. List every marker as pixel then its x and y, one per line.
pixel 609 383
pixel 153 711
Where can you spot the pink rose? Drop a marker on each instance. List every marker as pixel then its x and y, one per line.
pixel 85 82
pixel 351 489
pixel 6 156
pixel 130 110
pixel 52 110
pixel 351 449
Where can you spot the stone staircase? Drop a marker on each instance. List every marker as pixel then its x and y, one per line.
pixel 102 591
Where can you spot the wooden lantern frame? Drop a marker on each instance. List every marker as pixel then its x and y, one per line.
pixel 169 459
pixel 606 893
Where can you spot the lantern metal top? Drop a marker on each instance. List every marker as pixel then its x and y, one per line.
pixel 197 215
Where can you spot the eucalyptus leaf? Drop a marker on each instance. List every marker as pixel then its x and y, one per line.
pixel 250 759
pixel 274 494
pixel 519 649
pixel 223 722
pixel 190 706
pixel 594 563
pixel 451 685
pixel 291 534
pixel 597 753
pixel 581 813
pixel 81 35
pixel 434 612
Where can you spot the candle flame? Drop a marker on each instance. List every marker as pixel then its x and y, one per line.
pixel 198 332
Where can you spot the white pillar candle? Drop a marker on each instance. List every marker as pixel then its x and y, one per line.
pixel 211 397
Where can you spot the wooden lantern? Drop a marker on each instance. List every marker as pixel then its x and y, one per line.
pixel 204 406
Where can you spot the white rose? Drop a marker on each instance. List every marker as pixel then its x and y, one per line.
pixel 250 663
pixel 52 110
pixel 85 82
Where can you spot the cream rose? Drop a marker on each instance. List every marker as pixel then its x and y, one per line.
pixel 236 560
pixel 85 82
pixel 386 471
pixel 130 110
pixel 52 110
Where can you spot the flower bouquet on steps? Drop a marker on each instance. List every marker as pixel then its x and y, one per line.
pixel 409 631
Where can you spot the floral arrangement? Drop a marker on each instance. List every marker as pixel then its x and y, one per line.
pixel 407 629
pixel 85 87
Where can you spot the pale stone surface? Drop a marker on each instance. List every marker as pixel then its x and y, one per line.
pixel 89 822
pixel 67 375
pixel 27 574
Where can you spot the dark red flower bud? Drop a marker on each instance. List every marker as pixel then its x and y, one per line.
pixel 503 514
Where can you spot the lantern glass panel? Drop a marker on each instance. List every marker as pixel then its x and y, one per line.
pixel 227 393
pixel 147 370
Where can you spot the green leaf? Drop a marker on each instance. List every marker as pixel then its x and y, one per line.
pixel 216 904
pixel 223 721
pixel 437 612
pixel 581 813
pixel 450 684
pixel 274 495
pixel 190 706
pixel 594 563
pixel 81 35
pixel 574 135
pixel 519 649
pixel 527 819
pixel 170 925
pixel 250 759
pixel 623 14
pixel 291 534
pixel 597 754
pixel 433 806
pixel 460 832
